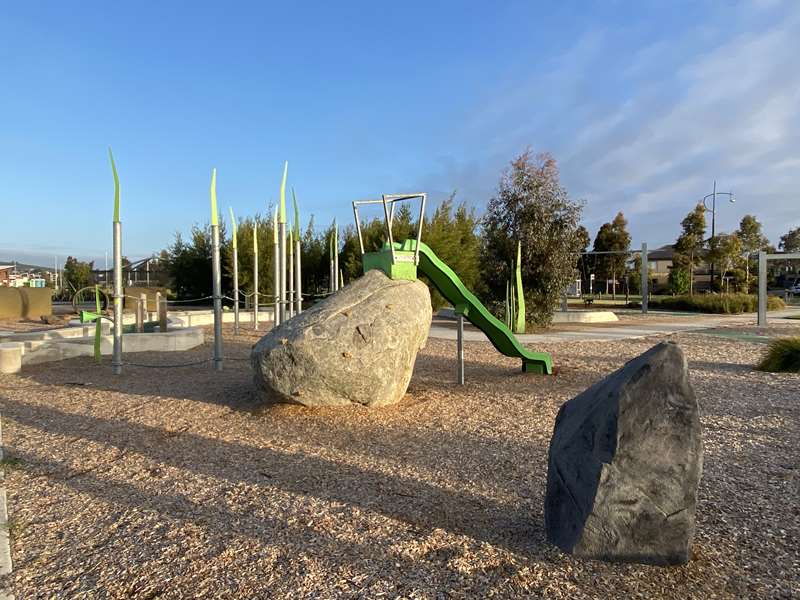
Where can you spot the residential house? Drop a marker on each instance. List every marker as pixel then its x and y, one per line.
pixel 659 264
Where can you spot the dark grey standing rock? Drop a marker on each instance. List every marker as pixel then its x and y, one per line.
pixel 356 347
pixel 625 461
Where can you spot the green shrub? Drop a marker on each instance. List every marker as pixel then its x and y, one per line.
pixel 783 355
pixel 678 281
pixel 716 303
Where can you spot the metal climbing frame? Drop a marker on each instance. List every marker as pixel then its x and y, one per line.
pixel 763 257
pixel 388 202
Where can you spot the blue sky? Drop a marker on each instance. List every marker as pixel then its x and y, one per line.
pixel 643 104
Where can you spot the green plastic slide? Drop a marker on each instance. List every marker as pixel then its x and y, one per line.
pixel 466 303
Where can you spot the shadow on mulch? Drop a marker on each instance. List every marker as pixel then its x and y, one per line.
pixel 424 506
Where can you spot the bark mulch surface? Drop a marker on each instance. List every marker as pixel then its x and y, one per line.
pixel 177 483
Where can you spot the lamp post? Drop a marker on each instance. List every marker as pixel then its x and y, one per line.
pixel 713 210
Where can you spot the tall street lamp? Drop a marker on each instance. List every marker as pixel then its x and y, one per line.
pixel 713 210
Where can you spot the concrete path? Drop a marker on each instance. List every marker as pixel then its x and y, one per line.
pixel 446 330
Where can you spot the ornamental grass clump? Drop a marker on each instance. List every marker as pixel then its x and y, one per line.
pixel 783 356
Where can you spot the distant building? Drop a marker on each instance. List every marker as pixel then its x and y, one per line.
pixel 659 265
pixel 6 274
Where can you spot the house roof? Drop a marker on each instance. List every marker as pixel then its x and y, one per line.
pixel 663 253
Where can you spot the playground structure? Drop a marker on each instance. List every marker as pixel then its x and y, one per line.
pixel 286 303
pixel 402 260
pixel 763 257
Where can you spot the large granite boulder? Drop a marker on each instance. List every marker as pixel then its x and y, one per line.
pixel 356 347
pixel 625 460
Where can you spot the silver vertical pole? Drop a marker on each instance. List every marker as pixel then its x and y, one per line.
pixel 336 253
pixel 298 279
pixel 645 279
pixel 116 357
pixel 276 285
pixel 762 289
pixel 255 277
pixel 235 289
pixel 217 291
pixel 290 259
pixel 460 346
pixel 282 262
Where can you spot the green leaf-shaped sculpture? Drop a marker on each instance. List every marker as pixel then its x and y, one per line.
pixel 519 325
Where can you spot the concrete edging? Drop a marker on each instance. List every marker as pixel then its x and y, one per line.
pixel 6 566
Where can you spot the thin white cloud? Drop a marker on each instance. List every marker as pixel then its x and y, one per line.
pixel 691 108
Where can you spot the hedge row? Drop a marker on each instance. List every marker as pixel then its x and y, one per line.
pixel 716 303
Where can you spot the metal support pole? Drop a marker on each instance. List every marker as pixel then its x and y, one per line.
pixel 276 284
pixel 645 279
pixel 336 254
pixel 217 291
pixel 282 263
pixel 762 289
pixel 235 290
pixel 116 357
pixel 255 279
pixel 290 259
pixel 298 279
pixel 460 347
pixel 713 228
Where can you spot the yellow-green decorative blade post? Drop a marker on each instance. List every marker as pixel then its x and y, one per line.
pixel 276 271
pixel 235 243
pixel 336 253
pixel 290 260
pixel 519 326
pixel 255 275
pixel 216 273
pixel 282 243
pixel 116 356
pixel 98 329
pixel 298 292
pixel 331 274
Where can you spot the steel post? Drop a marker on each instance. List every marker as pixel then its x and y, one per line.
pixel 255 283
pixel 645 279
pixel 298 279
pixel 282 264
pixel 116 357
pixel 762 289
pixel 460 349
pixel 217 292
pixel 235 290
pixel 276 284
pixel 290 281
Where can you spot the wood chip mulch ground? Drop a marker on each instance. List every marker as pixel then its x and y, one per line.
pixel 177 483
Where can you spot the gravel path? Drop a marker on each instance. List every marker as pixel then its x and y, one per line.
pixel 177 483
